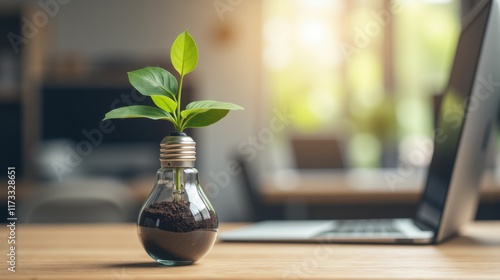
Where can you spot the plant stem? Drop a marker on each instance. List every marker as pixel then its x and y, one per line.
pixel 178 127
pixel 178 185
pixel 178 113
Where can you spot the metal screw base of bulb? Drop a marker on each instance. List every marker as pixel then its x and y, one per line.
pixel 177 150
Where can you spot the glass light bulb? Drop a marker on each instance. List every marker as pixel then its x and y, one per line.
pixel 177 224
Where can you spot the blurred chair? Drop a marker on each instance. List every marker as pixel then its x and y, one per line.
pixel 79 201
pixel 258 209
pixel 317 153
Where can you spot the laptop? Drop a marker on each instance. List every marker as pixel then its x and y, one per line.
pixel 467 116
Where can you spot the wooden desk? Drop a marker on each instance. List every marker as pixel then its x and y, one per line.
pixel 68 252
pixel 355 186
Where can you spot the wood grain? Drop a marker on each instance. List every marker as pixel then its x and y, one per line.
pixel 114 252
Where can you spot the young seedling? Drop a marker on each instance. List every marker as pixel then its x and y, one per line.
pixel 166 93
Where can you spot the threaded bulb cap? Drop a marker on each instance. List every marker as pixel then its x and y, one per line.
pixel 177 150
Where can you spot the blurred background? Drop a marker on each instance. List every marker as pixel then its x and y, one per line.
pixel 340 99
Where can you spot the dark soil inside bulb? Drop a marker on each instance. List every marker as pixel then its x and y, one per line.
pixel 169 231
pixel 177 217
pixel 164 245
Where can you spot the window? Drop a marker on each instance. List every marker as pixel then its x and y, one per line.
pixel 363 71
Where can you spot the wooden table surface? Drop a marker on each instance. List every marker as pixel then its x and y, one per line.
pixel 113 252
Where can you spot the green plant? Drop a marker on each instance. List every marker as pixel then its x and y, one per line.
pixel 166 92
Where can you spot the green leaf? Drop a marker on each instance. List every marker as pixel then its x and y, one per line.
pixel 184 53
pixel 139 111
pixel 206 112
pixel 211 104
pixel 164 103
pixel 205 119
pixel 154 81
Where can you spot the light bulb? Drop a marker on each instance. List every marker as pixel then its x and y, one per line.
pixel 177 224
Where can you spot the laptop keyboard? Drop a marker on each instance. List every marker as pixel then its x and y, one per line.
pixel 365 226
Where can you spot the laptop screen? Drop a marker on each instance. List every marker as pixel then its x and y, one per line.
pixel 451 119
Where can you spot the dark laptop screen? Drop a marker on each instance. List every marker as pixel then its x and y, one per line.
pixel 451 119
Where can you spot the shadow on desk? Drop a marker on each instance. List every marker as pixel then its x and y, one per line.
pixel 133 265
